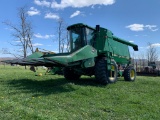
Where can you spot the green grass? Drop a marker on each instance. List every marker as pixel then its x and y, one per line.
pixel 24 96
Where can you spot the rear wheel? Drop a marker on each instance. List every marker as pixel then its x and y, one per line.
pixel 130 74
pixel 70 74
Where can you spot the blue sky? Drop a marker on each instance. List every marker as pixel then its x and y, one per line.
pixel 137 21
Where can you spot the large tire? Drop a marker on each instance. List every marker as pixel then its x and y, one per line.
pixel 129 74
pixel 101 73
pixel 70 74
pixel 113 73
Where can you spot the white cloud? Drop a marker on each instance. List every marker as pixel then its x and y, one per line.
pixel 37 44
pixel 8 29
pixel 80 3
pixel 155 45
pixel 141 27
pixel 33 11
pixel 75 14
pixel 52 16
pixel 38 35
pixel 131 41
pixel 136 27
pixel 42 3
pixel 152 27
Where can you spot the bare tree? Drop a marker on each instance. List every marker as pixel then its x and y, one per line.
pixel 63 41
pixel 152 54
pixel 22 32
pixel 141 61
pixel 5 51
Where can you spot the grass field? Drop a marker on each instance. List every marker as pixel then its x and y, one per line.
pixel 24 96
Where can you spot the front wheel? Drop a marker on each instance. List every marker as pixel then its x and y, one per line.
pixel 101 73
pixel 130 74
pixel 104 76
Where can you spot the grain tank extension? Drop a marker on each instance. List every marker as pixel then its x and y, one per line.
pixel 95 51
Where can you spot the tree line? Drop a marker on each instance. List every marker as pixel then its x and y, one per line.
pixel 151 55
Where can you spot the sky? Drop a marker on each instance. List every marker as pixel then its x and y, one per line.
pixel 137 21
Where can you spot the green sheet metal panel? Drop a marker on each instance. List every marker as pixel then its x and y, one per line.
pixel 84 53
pixel 101 45
pixel 35 55
pixel 119 49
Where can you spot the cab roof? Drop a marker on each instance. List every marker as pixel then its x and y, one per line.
pixel 79 25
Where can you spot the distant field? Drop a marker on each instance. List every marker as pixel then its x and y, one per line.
pixel 24 96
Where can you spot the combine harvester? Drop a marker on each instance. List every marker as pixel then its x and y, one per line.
pixel 93 51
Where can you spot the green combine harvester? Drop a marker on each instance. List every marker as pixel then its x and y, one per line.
pixel 93 51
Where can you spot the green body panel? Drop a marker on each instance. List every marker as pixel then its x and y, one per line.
pixel 35 55
pixel 135 47
pixel 88 63
pixel 82 54
pixel 113 47
pixel 120 52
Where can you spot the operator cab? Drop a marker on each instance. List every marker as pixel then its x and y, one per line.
pixel 80 35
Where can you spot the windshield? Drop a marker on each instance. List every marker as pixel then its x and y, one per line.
pixel 80 36
pixel 89 36
pixel 76 37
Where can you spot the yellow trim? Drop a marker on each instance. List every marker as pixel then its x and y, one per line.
pixel 111 71
pixel 132 74
pixel 112 68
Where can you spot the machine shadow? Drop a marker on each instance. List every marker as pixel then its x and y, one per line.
pixel 49 86
pixel 42 87
pixel 86 82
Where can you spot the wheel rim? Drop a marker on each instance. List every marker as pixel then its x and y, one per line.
pixel 132 74
pixel 112 73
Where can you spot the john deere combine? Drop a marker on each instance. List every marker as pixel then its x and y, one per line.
pixel 93 51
